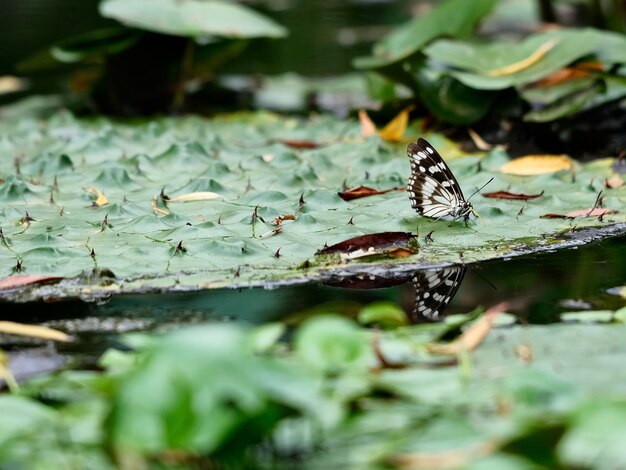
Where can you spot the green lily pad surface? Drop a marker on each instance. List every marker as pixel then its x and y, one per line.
pixel 83 195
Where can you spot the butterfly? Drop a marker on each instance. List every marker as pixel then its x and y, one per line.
pixel 433 189
pixel 433 291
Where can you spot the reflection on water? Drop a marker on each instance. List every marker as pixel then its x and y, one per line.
pixel 434 289
pixel 538 288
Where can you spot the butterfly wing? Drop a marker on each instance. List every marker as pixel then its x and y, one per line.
pixel 434 289
pixel 433 189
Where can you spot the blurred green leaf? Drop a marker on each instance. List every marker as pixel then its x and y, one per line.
pixel 210 389
pixel 94 44
pixel 332 344
pixel 596 437
pixel 476 60
pixel 386 314
pixel 192 18
pixel 452 101
pixel 456 18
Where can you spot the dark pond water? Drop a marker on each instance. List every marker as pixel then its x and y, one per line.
pixel 538 288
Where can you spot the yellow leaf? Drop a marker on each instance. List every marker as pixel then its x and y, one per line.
pixel 5 373
pixel 34 331
pixel 394 131
pixel 199 196
pixel 368 128
pixel 101 199
pixel 524 63
pixel 537 165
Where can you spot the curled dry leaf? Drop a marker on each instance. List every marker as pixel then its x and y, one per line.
pixel 479 142
pixel 279 220
pixel 101 199
pixel 157 210
pixel 614 182
pixel 473 336
pixel 299 144
pixel 592 212
pixel 368 128
pixel 33 331
pixel 508 195
pixel 524 63
pixel 198 196
pixel 364 191
pixel 20 280
pixel 537 165
pixel 372 244
pixel 575 72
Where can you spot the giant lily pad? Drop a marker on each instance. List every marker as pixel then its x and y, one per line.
pixel 191 203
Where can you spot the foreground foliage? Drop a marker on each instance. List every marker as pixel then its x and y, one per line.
pixel 334 395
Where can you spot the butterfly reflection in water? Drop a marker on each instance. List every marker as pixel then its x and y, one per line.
pixel 434 289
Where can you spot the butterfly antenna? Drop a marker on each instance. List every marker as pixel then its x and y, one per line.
pixel 479 189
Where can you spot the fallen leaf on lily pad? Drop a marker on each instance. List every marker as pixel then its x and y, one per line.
pixel 372 244
pixel 20 280
pixel 575 72
pixel 199 196
pixel 396 128
pixel 299 144
pixel 33 331
pixel 537 165
pixel 368 128
pixel 593 212
pixel 614 182
pixel 364 191
pixel 508 195
pixel 101 199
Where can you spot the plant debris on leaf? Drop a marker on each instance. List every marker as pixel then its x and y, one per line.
pixel 509 195
pixel 364 191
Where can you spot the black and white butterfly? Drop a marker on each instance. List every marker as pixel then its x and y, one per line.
pixel 433 189
pixel 434 289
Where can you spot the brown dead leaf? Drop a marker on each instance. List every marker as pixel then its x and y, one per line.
pixel 368 128
pixel 614 182
pixel 101 199
pixel 299 144
pixel 575 72
pixel 473 336
pixel 374 243
pixel 279 220
pixel 396 128
pixel 364 191
pixel 592 212
pixel 537 165
pixel 198 196
pixel 524 63
pixel 508 195
pixel 20 280
pixel 33 331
